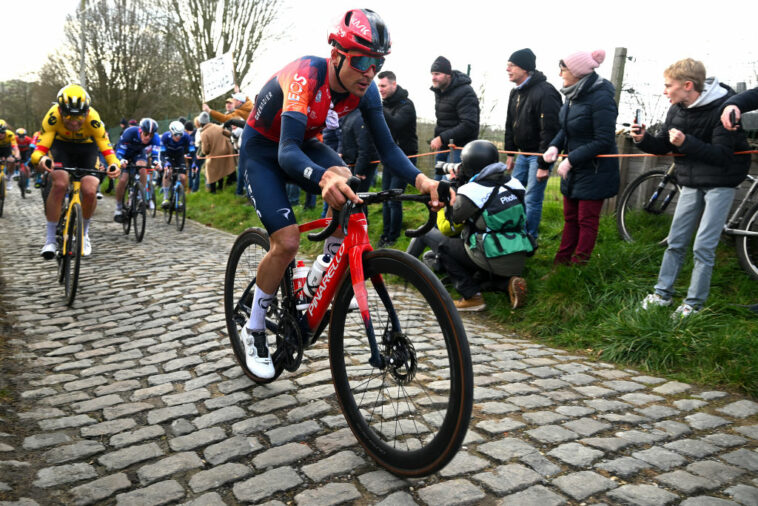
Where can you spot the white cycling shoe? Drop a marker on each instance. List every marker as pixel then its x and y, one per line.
pixel 48 250
pixel 86 247
pixel 257 357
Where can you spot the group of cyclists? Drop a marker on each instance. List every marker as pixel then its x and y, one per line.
pixel 280 144
pixel 15 150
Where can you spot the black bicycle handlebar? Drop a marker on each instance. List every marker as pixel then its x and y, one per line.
pixel 341 217
pixel 77 173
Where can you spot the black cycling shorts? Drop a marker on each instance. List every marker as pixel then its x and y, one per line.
pixel 80 155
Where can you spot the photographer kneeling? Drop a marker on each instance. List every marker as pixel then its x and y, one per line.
pixel 493 244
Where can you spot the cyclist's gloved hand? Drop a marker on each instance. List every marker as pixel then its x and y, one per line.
pixel 124 163
pixel 113 171
pixel 46 163
pixel 334 187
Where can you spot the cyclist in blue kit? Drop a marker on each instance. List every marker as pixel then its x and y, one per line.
pixel 136 144
pixel 280 145
pixel 175 146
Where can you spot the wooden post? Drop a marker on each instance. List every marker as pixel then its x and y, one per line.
pixel 617 74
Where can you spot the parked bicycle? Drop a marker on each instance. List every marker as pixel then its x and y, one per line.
pixel 70 232
pixel 400 363
pixel 177 200
pixel 134 207
pixel 646 208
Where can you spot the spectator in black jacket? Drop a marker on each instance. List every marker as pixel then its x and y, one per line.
pixel 358 149
pixel 456 107
pixel 708 173
pixel 400 114
pixel 531 124
pixel 588 129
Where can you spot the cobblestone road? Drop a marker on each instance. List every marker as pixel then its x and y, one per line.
pixel 133 397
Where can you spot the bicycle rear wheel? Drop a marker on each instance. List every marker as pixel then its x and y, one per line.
pixel 181 208
pixel 126 208
pixel 646 208
pixel 747 247
pixel 411 416
pixel 139 212
pixel 73 255
pixel 2 193
pixel 239 285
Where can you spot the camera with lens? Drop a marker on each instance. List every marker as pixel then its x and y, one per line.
pixel 447 169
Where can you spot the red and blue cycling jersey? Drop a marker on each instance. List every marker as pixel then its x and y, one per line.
pixel 292 106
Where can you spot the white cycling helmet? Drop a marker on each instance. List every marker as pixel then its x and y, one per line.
pixel 176 128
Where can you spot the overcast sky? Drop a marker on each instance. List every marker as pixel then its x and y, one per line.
pixel 482 34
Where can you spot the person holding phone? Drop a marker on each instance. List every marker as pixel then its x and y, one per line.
pixel 708 173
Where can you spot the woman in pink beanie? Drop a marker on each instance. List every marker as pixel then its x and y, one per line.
pixel 588 129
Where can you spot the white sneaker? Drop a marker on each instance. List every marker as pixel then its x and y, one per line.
pixel 48 250
pixel 86 247
pixel 683 311
pixel 99 195
pixel 654 299
pixel 257 359
pixel 118 216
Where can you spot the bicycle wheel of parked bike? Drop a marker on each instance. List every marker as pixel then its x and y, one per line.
pixel 646 208
pixel 126 209
pixel 23 180
pixel 411 416
pixel 747 247
pixel 139 212
pixel 181 208
pixel 2 193
pixel 73 253
pixel 239 285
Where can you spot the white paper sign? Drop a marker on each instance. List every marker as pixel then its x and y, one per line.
pixel 217 75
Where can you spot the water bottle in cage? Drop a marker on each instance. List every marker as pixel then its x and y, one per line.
pixel 316 273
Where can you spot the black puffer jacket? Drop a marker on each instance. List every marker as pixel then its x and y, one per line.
pixel 708 146
pixel 357 144
pixel 532 119
pixel 457 111
pixel 588 129
pixel 400 114
pixel 747 100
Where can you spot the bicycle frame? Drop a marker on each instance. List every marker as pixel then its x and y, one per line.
pixel 736 217
pixel 74 199
pixel 356 243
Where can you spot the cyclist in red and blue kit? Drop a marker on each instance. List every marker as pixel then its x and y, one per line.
pixel 280 145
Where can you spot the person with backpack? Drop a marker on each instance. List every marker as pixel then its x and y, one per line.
pixel 493 244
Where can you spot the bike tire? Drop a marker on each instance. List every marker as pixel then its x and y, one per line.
pixel 181 208
pixel 59 239
pixel 412 416
pixel 126 209
pixel 643 213
pixel 73 253
pixel 2 193
pixel 747 247
pixel 23 179
pixel 239 280
pixel 152 210
pixel 168 212
pixel 139 212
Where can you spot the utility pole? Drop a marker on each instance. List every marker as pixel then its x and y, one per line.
pixel 617 74
pixel 82 79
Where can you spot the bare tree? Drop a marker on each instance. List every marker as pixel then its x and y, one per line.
pixel 204 29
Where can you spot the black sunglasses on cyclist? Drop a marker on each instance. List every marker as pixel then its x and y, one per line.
pixel 362 63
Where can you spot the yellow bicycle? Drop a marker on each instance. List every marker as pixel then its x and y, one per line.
pixel 70 232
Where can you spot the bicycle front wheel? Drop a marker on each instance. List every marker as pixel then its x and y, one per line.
pixel 646 208
pixel 747 247
pixel 126 208
pixel 239 288
pixel 168 212
pixel 2 193
pixel 412 415
pixel 139 212
pixel 73 254
pixel 181 208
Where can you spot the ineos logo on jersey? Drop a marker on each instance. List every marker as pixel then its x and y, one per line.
pixel 296 88
pixel 307 172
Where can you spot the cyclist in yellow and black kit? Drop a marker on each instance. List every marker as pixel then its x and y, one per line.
pixel 72 134
pixel 9 152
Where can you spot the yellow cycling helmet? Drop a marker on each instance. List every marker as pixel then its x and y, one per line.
pixel 20 132
pixel 73 100
pixel 3 126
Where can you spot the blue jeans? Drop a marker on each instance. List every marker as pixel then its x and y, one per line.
pixel 392 211
pixel 455 156
pixel 714 204
pixel 293 194
pixel 525 170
